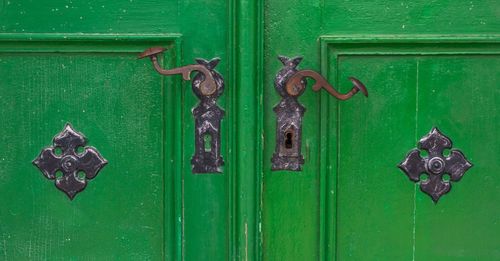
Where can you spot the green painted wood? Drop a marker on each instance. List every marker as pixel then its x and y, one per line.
pixel 366 197
pixel 197 209
pixel 336 208
pixel 247 130
pixel 206 217
pixel 371 201
pixel 351 202
pixel 119 109
pixel 346 54
pixel 472 122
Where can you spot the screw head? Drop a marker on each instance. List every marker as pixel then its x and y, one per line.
pixel 435 165
pixel 295 89
pixel 68 163
pixel 207 89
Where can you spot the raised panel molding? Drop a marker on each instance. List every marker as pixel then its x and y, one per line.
pixel 53 45
pixel 332 49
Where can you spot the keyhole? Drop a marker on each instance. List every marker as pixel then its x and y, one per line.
pixel 288 140
pixel 207 139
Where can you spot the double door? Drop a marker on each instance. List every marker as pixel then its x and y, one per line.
pixel 425 65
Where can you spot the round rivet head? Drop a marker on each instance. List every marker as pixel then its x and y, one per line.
pixel 435 165
pixel 295 89
pixel 207 89
pixel 68 163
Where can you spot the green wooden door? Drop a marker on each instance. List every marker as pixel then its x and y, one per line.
pixel 76 62
pixel 426 64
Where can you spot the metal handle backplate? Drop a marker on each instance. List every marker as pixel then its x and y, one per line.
pixel 208 85
pixel 290 84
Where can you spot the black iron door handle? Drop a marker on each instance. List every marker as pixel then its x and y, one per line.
pixel 290 84
pixel 207 85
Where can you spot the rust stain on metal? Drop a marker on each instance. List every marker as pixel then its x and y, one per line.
pixel 290 83
pixel 208 87
pixel 293 85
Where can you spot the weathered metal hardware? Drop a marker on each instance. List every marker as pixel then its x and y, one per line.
pixel 290 84
pixel 207 85
pixel 76 167
pixel 435 165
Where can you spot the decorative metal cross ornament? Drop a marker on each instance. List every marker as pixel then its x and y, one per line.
pixel 290 84
pixel 207 85
pixel 70 162
pixel 435 164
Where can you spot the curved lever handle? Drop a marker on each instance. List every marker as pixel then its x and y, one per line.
pixel 207 87
pixel 295 81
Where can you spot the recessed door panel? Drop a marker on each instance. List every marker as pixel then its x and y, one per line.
pixel 415 88
pixel 118 105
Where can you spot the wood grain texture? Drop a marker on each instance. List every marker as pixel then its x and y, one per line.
pixel 199 218
pixel 75 61
pixel 119 109
pixel 349 202
pixel 357 151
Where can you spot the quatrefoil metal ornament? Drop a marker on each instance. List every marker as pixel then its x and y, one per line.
pixel 70 162
pixel 435 165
